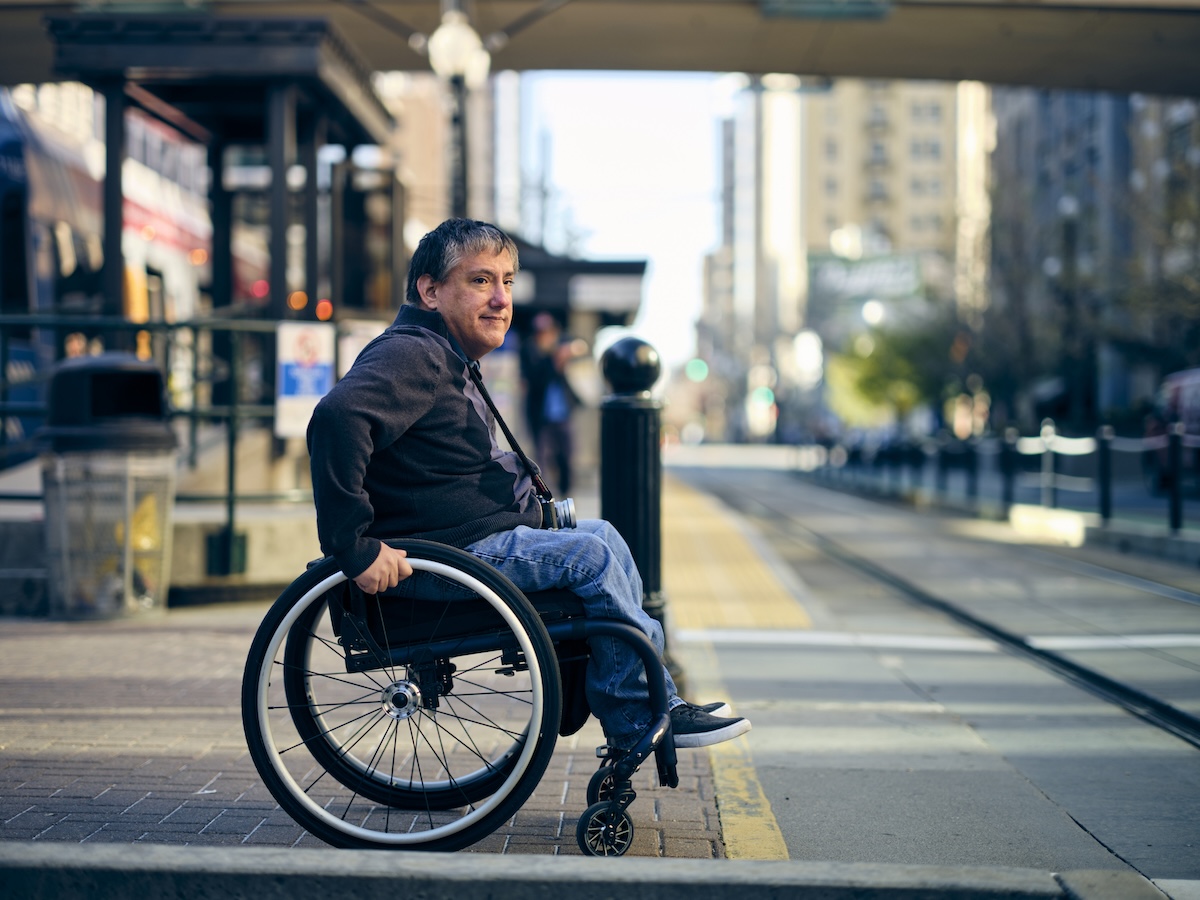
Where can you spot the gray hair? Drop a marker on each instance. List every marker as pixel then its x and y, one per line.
pixel 449 244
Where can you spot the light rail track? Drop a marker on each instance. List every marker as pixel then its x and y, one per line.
pixel 1150 709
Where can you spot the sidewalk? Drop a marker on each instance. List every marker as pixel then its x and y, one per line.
pixel 123 770
pixel 133 734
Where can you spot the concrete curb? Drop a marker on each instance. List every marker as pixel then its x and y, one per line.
pixel 32 871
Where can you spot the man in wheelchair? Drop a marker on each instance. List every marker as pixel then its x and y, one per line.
pixel 404 446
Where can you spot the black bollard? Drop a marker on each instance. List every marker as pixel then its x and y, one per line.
pixel 971 461
pixel 1104 471
pixel 631 462
pixel 1175 467
pixel 1008 467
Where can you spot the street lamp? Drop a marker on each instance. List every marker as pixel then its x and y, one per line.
pixel 456 53
pixel 1076 333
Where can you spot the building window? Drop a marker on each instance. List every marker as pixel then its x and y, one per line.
pixel 831 186
pixel 928 112
pixel 926 149
pixel 929 186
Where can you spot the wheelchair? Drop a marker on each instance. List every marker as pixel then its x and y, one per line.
pixel 425 724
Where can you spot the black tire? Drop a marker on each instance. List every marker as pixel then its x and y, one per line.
pixel 431 749
pixel 604 830
pixel 601 785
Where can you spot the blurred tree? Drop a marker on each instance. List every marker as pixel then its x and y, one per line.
pixel 1163 300
pixel 1168 310
pixel 1158 321
pixel 1006 349
pixel 903 368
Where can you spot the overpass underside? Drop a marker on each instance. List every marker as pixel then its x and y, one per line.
pixel 1151 46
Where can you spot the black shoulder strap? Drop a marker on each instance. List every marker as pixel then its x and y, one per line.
pixel 538 484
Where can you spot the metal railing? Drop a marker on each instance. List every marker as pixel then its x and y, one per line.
pixel 207 370
pixel 1143 477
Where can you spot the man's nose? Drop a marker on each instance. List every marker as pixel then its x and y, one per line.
pixel 501 297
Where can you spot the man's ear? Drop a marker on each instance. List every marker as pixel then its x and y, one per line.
pixel 427 290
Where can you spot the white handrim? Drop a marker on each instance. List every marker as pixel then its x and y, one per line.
pixel 451 828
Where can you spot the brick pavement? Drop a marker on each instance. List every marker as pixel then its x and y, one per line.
pixel 129 731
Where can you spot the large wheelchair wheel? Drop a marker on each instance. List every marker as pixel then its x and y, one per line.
pixel 428 729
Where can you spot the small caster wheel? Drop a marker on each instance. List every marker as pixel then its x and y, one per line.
pixel 604 830
pixel 601 785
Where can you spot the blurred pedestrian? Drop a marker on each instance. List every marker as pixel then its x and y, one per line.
pixel 549 398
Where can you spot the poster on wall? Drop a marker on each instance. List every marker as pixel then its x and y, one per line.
pixel 305 354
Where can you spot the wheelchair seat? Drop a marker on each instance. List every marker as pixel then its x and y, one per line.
pixel 425 723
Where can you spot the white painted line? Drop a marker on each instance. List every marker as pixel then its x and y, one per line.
pixel 727 636
pixel 836 639
pixel 1116 642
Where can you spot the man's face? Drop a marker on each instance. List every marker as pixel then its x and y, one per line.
pixel 475 301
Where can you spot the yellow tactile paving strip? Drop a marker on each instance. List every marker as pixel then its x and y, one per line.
pixel 712 576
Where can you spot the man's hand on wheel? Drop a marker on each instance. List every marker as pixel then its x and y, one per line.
pixel 389 569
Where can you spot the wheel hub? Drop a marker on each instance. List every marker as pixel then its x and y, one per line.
pixel 401 699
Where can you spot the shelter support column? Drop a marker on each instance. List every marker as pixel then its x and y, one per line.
pixel 114 158
pixel 313 135
pixel 221 211
pixel 281 153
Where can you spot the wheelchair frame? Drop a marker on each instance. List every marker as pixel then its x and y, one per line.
pixel 384 722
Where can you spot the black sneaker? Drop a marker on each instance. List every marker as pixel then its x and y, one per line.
pixel 693 727
pixel 720 708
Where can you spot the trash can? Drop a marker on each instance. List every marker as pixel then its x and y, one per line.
pixel 108 483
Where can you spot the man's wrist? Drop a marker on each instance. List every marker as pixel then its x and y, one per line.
pixel 358 559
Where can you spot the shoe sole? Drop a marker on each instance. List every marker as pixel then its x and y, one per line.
pixel 708 738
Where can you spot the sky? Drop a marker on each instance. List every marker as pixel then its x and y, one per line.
pixel 633 172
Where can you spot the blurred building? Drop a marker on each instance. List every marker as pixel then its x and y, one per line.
pixel 1164 201
pixel 893 171
pixel 840 200
pixel 421 104
pixel 756 281
pixel 882 170
pixel 1061 244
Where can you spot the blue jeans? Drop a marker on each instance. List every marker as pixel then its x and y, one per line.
pixel 594 562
